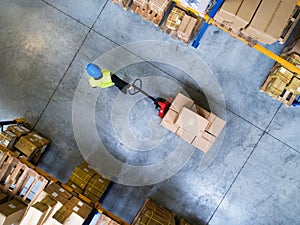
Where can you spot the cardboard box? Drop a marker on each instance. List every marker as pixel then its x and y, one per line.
pixel 11 212
pixel 35 214
pixel 174 19
pixel 191 122
pixel 245 13
pixel 81 208
pixel 186 28
pixel 202 144
pixel 44 142
pixel 282 73
pixel 75 187
pixel 82 175
pixel 96 187
pixel 142 3
pixel 216 125
pixel 105 220
pixel 159 6
pixel 262 18
pixel 208 136
pixel 7 139
pixel 62 214
pixel 185 135
pixel 201 111
pixel 28 146
pixel 18 130
pixel 229 9
pixel 281 18
pixel 181 101
pixel 294 86
pixel 169 121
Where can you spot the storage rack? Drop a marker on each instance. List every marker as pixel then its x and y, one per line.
pixel 208 20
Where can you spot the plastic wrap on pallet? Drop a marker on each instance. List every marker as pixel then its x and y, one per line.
pixel 174 19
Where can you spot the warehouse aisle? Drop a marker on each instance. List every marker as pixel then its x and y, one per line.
pixel 250 176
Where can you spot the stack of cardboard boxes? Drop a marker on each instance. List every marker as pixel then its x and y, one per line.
pixel 24 142
pixel 261 20
pixel 281 83
pixel 180 25
pixel 56 206
pixel 86 181
pixel 159 7
pixel 193 123
pixel 153 214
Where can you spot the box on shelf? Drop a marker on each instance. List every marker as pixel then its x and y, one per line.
pixel 159 6
pixel 282 73
pixel 294 86
pixel 11 212
pixel 275 87
pixel 245 13
pixel 75 187
pixel 186 28
pixel 7 139
pixel 106 220
pixel 174 19
pixel 81 208
pixel 82 175
pixel 142 3
pixel 96 187
pixel 228 10
pixel 44 142
pixel 18 130
pixel 28 146
pixel 35 214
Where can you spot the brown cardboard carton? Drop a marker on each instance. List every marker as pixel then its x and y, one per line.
pixel 185 135
pixel 245 13
pixel 184 23
pixel 216 125
pixel 62 214
pixel 262 18
pixel 169 121
pixel 54 187
pixel 159 6
pixel 81 208
pixel 96 186
pixel 282 73
pixel 82 175
pixel 294 86
pixel 44 142
pixel 104 220
pixel 35 214
pixel 201 111
pixel 186 28
pixel 18 130
pixel 27 145
pixel 53 204
pixel 202 144
pixel 211 138
pixel 191 121
pixel 7 139
pixel 174 19
pixel 75 187
pixel 181 101
pixel 11 212
pixel 229 9
pixel 281 18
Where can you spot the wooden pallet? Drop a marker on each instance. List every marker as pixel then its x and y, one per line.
pixel 146 14
pixel 124 4
pixel 287 98
pixel 18 180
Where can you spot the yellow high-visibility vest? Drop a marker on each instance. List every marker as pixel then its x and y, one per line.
pixel 104 82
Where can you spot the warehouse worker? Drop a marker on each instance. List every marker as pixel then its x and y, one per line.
pixel 104 78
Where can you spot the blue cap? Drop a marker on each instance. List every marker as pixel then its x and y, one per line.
pixel 94 71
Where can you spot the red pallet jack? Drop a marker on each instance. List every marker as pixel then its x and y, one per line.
pixel 161 104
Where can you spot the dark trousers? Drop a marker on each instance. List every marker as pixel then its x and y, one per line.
pixel 121 84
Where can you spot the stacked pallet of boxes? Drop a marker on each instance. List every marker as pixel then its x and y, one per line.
pixel 193 123
pixel 153 214
pixel 24 141
pixel 281 83
pixel 180 25
pixel 86 181
pixel 265 21
pixel 56 206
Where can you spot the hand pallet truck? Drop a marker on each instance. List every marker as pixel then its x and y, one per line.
pixel 161 104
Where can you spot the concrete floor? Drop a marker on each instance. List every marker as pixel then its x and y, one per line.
pixel 252 174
